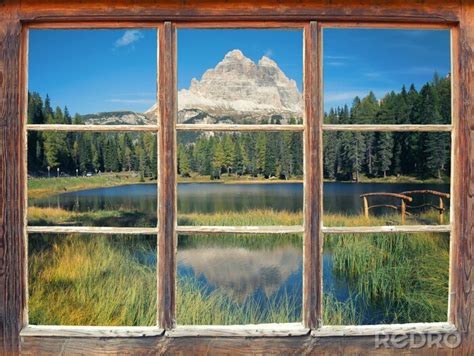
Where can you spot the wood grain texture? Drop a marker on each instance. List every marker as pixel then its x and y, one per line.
pixel 167 177
pixel 241 230
pixel 312 242
pixel 389 128
pixel 12 301
pixel 100 230
pixel 94 128
pixel 402 11
pixel 228 127
pixel 392 329
pixel 257 330
pixel 463 251
pixel 125 13
pixel 90 331
pixel 386 229
pixel 295 345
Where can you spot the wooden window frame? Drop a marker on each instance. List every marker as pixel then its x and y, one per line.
pixel 456 17
pixel 313 230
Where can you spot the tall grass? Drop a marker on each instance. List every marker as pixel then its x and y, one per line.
pixel 255 217
pixel 197 304
pixel 91 280
pixel 103 280
pixel 403 275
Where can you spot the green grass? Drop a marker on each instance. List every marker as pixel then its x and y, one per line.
pixel 90 280
pixel 99 280
pixel 196 305
pixel 38 216
pixel 406 275
pixel 256 217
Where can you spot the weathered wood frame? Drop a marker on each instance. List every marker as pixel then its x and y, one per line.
pixel 458 15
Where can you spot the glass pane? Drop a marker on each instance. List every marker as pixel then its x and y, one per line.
pixel 235 279
pixel 94 280
pixel 387 76
pixel 385 278
pixel 240 76
pixel 413 165
pixel 92 77
pixel 240 178
pixel 92 179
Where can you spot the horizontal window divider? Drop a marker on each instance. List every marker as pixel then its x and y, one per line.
pixel 243 230
pixel 92 230
pixel 388 128
pixel 226 127
pixel 98 128
pixel 90 331
pixel 236 24
pixel 384 329
pixel 250 330
pixel 385 229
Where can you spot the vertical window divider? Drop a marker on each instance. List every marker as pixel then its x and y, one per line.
pixel 312 246
pixel 166 271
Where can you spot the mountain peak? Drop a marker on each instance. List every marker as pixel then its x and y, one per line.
pixel 236 89
pixel 267 61
pixel 235 53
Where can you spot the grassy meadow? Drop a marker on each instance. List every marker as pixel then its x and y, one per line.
pixel 110 280
pixel 104 280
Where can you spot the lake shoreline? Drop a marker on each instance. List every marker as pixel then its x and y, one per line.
pixel 44 187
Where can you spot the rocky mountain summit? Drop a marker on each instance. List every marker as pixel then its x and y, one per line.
pixel 237 91
pixel 241 91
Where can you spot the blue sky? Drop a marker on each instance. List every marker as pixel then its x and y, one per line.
pixel 359 60
pixel 106 70
pixel 94 70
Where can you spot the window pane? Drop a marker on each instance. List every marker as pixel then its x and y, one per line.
pixel 240 178
pixel 96 280
pixel 385 278
pixel 240 76
pixel 92 77
pixel 387 76
pixel 92 179
pixel 415 165
pixel 235 279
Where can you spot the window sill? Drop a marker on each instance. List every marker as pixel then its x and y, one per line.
pixel 387 329
pixel 251 330
pixel 90 331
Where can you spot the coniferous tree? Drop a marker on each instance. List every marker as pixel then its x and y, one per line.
pixel 218 160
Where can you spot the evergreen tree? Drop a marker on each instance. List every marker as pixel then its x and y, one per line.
pixel 184 164
pixel 218 160
pixel 229 153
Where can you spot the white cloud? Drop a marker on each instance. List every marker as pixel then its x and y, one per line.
pixel 129 37
pixel 335 64
pixel 268 53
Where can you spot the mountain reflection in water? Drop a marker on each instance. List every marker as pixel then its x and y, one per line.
pixel 240 272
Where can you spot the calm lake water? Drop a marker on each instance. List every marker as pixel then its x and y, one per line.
pixel 249 270
pixel 211 197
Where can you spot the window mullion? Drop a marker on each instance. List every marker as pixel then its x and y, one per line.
pixel 167 177
pixel 312 279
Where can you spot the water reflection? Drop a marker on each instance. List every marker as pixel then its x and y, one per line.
pixel 136 204
pixel 240 272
